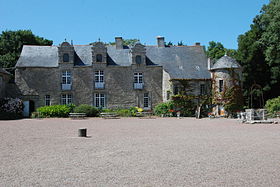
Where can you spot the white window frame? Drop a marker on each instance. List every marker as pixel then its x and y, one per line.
pixel 99 76
pixel 138 77
pixel 47 100
pixel 138 80
pixel 99 79
pixel 66 77
pixel 66 99
pixel 100 100
pixel 146 100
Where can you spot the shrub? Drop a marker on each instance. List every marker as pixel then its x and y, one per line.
pixel 89 110
pixel 35 115
pixel 164 108
pixel 55 110
pixel 185 104
pixel 273 105
pixel 131 112
pixel 11 108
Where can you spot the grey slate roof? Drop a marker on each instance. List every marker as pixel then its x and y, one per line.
pixel 226 62
pixel 181 62
pixel 119 57
pixel 38 56
pixel 83 56
pixel 185 62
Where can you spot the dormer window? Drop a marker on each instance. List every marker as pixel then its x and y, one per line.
pixel 98 58
pixel 65 57
pixel 138 59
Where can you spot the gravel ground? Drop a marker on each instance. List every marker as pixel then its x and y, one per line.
pixel 139 152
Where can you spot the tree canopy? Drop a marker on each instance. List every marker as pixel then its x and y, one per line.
pixel 259 51
pixel 11 43
pixel 216 50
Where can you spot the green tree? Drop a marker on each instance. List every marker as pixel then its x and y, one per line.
pixel 259 51
pixel 180 43
pixel 11 43
pixel 169 43
pixel 216 50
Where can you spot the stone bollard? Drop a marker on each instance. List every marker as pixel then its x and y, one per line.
pixel 82 132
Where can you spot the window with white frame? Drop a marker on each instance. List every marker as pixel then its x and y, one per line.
pixel 66 99
pixel 99 76
pixel 146 100
pixel 66 77
pixel 47 100
pixel 138 77
pixel 99 100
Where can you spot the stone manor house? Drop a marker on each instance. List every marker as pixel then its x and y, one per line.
pixel 112 76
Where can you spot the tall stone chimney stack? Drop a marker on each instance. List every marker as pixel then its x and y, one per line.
pixel 119 42
pixel 160 41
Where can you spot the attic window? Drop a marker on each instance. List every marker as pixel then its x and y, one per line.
pixel 65 57
pixel 98 58
pixel 138 59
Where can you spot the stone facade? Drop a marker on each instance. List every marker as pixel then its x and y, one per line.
pixel 110 76
pixel 46 85
pixel 226 74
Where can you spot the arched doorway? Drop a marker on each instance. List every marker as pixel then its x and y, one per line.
pixel 256 96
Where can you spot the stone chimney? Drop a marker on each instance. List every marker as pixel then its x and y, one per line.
pixel 209 64
pixel 197 44
pixel 119 42
pixel 160 41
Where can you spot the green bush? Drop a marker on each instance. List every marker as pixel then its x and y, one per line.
pixel 273 105
pixel 185 104
pixel 131 112
pixel 35 115
pixel 55 110
pixel 164 108
pixel 89 110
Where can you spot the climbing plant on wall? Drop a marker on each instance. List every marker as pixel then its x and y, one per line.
pixel 187 103
pixel 231 97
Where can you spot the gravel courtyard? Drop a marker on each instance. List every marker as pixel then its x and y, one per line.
pixel 139 152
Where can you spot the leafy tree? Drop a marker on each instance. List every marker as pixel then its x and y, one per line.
pixel 11 43
pixel 169 43
pixel 259 51
pixel 180 43
pixel 216 50
pixel 273 105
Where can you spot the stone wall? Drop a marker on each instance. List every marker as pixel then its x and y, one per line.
pixel 35 83
pixel 229 77
pixel 166 86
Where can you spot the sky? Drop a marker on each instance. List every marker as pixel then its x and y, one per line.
pixel 85 21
